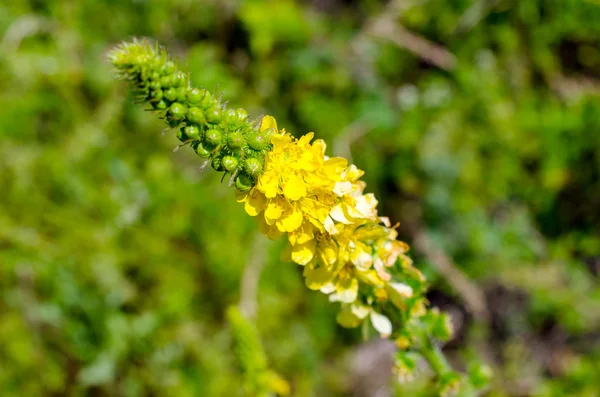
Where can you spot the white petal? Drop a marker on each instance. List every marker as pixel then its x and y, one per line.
pixel 360 311
pixel 342 188
pixel 382 324
pixel 337 213
pixel 403 289
pixel 330 226
pixel 328 288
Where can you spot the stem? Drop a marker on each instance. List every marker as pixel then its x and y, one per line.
pixel 434 356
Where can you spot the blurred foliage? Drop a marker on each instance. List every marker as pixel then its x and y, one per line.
pixel 118 258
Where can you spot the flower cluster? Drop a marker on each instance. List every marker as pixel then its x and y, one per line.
pixel 332 228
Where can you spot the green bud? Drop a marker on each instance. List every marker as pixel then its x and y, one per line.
pixel 170 94
pixel 258 140
pixel 217 163
pixel 242 114
pixel 230 163
pixel 155 95
pixel 160 105
pixel 269 134
pixel 177 111
pixel 208 101
pixel 179 79
pixel 166 81
pixel 168 68
pixel 213 116
pixel 243 182
pixel 154 85
pixel 232 118
pixel 201 149
pixel 253 166
pixel 182 94
pixel 195 115
pixel 195 96
pixel 235 140
pixel 155 76
pixel 191 132
pixel 181 135
pixel 213 137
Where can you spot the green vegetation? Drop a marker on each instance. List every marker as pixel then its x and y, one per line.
pixel 476 123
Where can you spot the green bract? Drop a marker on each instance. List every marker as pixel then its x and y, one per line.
pixel 228 137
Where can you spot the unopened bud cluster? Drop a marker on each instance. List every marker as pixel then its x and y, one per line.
pixel 226 138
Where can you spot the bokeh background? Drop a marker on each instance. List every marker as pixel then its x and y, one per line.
pixel 477 123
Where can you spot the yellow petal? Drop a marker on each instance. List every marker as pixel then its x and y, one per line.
pixel 305 139
pixel 318 148
pixel 328 251
pixel 334 166
pixel 302 254
pixel 241 197
pixel 290 221
pixel 294 188
pixel 255 203
pixel 273 211
pixel 352 173
pixel 268 185
pixel 270 231
pixel 350 316
pixel 268 122
pixel 315 279
pixel 303 234
pixel 346 291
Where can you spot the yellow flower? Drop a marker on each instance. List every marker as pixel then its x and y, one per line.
pixel 332 227
pixel 295 193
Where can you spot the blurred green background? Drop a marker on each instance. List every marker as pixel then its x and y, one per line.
pixel 478 126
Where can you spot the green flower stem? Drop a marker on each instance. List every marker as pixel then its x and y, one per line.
pixel 434 356
pixel 229 140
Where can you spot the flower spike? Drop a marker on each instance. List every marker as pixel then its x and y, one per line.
pixel 332 227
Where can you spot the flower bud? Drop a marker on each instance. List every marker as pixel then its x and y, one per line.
pixel 217 163
pixel 230 163
pixel 201 149
pixel 235 140
pixel 195 115
pixel 213 116
pixel 154 85
pixel 213 137
pixel 181 94
pixel 168 68
pixel 258 140
pixel 179 79
pixel 170 94
pixel 166 81
pixel 160 105
pixel 155 95
pixel 253 166
pixel 195 96
pixel 177 111
pixel 191 132
pixel 232 118
pixel 242 114
pixel 243 182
